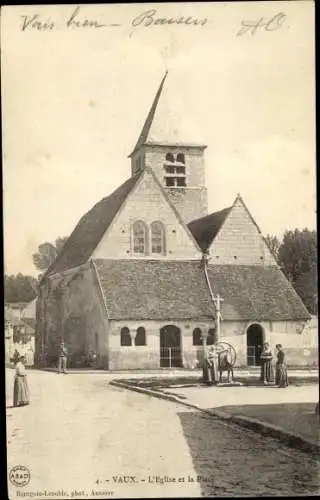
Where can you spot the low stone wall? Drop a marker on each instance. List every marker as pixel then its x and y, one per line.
pixel 302 356
pixel 134 357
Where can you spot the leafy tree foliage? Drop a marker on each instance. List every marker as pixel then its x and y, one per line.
pixel 19 288
pixel 47 253
pixel 298 253
pixel 273 244
pixel 297 257
pixel 307 287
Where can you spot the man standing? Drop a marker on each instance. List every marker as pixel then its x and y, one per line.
pixel 62 362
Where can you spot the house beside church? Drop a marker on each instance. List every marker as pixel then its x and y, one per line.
pixel 136 283
pixel 19 330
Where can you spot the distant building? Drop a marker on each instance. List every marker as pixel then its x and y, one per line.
pixel 132 284
pixel 20 325
pixel 15 308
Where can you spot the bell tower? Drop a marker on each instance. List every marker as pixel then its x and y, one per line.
pixel 170 146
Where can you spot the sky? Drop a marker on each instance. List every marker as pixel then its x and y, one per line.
pixel 74 100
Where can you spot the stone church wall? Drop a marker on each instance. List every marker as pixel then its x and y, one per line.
pixel 300 346
pixel 148 357
pixel 189 202
pixel 192 201
pixel 239 241
pixel 299 352
pixel 78 318
pixel 148 204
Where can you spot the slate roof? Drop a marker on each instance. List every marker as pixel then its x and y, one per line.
pixel 90 229
pixel 154 289
pixel 206 228
pixel 177 290
pixel 256 293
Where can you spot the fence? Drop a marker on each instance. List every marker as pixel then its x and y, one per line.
pixel 253 355
pixel 171 357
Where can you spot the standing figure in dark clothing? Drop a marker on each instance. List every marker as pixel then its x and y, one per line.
pixel 267 371
pixel 281 368
pixel 62 362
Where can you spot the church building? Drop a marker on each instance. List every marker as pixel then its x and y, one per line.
pixel 147 274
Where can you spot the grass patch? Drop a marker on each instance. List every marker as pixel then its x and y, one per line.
pixel 181 382
pixel 158 383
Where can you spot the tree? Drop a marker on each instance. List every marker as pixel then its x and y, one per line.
pixel 273 244
pixel 19 288
pixel 298 253
pixel 307 287
pixel 298 260
pixel 47 253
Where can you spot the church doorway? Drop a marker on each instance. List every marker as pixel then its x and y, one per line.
pixel 254 344
pixel 170 347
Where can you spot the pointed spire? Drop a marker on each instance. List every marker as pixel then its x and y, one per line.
pixel 147 125
pixel 168 122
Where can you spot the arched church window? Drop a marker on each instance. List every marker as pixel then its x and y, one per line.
pixel 125 337
pixel 197 336
pixel 170 157
pixel 157 238
pixel 180 157
pixel 141 336
pixel 212 336
pixel 140 238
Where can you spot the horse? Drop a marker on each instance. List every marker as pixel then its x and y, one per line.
pixel 225 365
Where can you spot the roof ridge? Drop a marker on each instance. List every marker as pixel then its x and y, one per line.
pixel 206 228
pixel 239 197
pixel 209 215
pixel 124 189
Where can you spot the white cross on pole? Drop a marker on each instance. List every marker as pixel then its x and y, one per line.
pixel 217 302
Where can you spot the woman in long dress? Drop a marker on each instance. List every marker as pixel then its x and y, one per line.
pixel 211 362
pixel 267 371
pixel 20 388
pixel 281 368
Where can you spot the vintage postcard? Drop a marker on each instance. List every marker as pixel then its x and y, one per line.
pixel 161 307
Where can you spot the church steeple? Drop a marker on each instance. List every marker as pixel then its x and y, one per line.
pixel 170 145
pixel 143 138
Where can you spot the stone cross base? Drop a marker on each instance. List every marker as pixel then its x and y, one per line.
pixel 229 384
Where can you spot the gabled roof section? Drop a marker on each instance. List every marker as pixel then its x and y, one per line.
pixel 256 293
pixel 155 290
pixel 206 228
pixel 90 229
pixel 239 198
pixel 168 122
pixel 177 290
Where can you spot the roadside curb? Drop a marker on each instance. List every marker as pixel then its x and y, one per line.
pixel 155 394
pixel 294 440
pixel 290 439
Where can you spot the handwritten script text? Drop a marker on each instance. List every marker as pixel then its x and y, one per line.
pixel 272 24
